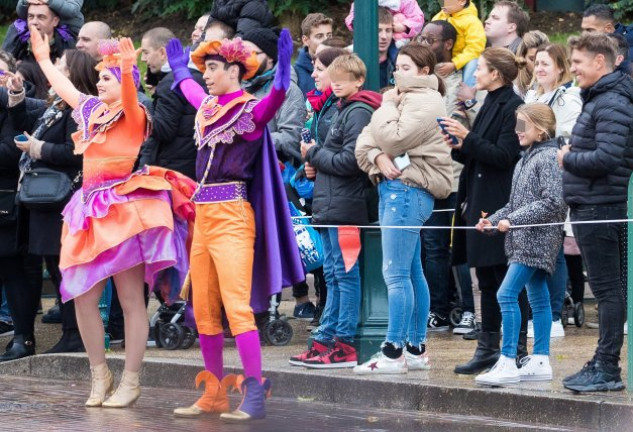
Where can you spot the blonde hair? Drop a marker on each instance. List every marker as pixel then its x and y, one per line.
pixel 541 116
pixel 558 54
pixel 532 39
pixel 348 63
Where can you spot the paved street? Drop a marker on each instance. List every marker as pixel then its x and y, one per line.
pixel 28 404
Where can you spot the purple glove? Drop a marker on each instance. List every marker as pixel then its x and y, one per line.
pixel 284 56
pixel 178 61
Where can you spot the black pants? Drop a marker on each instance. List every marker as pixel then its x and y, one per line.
pixel 576 278
pixel 301 289
pixel 22 277
pixel 603 249
pixel 69 319
pixel 490 279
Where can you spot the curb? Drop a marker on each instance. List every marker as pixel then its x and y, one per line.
pixel 593 412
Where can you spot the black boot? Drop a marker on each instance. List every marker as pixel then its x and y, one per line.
pixel 522 350
pixel 70 342
pixel 486 354
pixel 22 347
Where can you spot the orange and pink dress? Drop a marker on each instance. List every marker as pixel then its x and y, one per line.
pixel 121 218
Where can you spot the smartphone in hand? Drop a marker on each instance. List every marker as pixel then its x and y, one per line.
pixel 454 140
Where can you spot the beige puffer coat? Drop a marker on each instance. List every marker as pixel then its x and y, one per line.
pixel 410 127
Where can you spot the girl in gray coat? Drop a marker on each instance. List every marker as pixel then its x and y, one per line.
pixel 535 198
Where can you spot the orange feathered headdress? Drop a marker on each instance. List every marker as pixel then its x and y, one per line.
pixel 111 60
pixel 233 51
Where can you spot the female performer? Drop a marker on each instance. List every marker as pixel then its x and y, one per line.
pixel 122 224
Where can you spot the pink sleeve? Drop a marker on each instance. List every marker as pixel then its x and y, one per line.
pixel 414 17
pixel 349 21
pixel 193 92
pixel 266 108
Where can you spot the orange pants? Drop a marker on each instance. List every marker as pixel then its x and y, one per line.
pixel 222 254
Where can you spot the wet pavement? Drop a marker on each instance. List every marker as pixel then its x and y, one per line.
pixel 32 404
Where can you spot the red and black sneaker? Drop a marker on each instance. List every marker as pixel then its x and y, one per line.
pixel 341 355
pixel 315 351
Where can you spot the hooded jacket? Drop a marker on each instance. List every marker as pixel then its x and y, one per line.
pixel 471 38
pixel 343 193
pixel 242 15
pixel 535 198
pixel 566 103
pixel 410 127
pixel 598 167
pixel 285 127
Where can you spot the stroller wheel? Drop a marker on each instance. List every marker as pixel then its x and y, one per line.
pixel 564 317
pixel 455 316
pixel 278 332
pixel 171 336
pixel 189 337
pixel 156 330
pixel 579 314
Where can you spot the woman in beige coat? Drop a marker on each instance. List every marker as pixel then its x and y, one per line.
pixel 403 152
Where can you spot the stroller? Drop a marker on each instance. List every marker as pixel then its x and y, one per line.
pixel 572 310
pixel 168 327
pixel 273 327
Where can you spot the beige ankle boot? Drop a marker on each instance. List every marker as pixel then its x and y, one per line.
pixel 127 393
pixel 102 385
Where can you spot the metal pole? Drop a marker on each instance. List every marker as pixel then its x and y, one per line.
pixel 366 40
pixel 629 289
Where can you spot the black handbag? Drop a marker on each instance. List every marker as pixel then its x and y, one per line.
pixel 44 189
pixel 8 209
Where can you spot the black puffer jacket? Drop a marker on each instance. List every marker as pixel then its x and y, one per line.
pixel 242 15
pixel 598 167
pixel 342 192
pixel 171 144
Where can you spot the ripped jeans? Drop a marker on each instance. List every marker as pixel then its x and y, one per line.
pixel 408 291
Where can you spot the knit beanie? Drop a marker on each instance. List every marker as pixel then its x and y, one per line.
pixel 264 38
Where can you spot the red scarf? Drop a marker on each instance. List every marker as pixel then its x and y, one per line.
pixel 317 99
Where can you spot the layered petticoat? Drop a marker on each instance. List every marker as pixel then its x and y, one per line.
pixel 142 219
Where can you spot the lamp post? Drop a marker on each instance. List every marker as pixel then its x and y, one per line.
pixel 366 40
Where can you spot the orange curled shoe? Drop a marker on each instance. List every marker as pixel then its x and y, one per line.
pixel 213 400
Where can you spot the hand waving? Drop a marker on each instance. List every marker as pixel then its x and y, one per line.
pixel 128 55
pixel 285 49
pixel 175 56
pixel 39 47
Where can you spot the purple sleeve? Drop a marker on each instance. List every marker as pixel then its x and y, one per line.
pixel 193 91
pixel 266 108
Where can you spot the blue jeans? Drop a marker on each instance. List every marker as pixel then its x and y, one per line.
pixel 518 276
pixel 468 73
pixel 342 307
pixel 436 255
pixel 5 314
pixel 408 291
pixel 557 284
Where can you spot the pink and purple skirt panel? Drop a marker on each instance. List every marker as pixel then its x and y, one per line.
pixel 162 250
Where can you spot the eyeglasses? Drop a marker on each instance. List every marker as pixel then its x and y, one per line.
pixel 429 40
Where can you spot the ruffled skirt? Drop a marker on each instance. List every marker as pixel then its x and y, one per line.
pixel 144 219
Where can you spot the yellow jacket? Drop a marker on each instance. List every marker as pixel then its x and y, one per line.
pixel 471 38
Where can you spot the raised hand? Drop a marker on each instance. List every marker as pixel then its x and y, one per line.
pixel 178 61
pixel 39 46
pixel 128 55
pixel 285 49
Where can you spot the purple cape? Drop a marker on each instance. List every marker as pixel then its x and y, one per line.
pixel 277 262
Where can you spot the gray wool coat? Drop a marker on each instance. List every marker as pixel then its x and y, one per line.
pixel 536 198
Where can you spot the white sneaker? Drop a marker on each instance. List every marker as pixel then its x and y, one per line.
pixel 530 330
pixel 557 329
pixel 466 325
pixel 505 371
pixel 417 362
pixel 571 321
pixel 626 328
pixel 381 364
pixel 535 368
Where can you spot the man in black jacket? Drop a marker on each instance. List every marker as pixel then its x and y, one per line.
pixel 597 166
pixel 171 143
